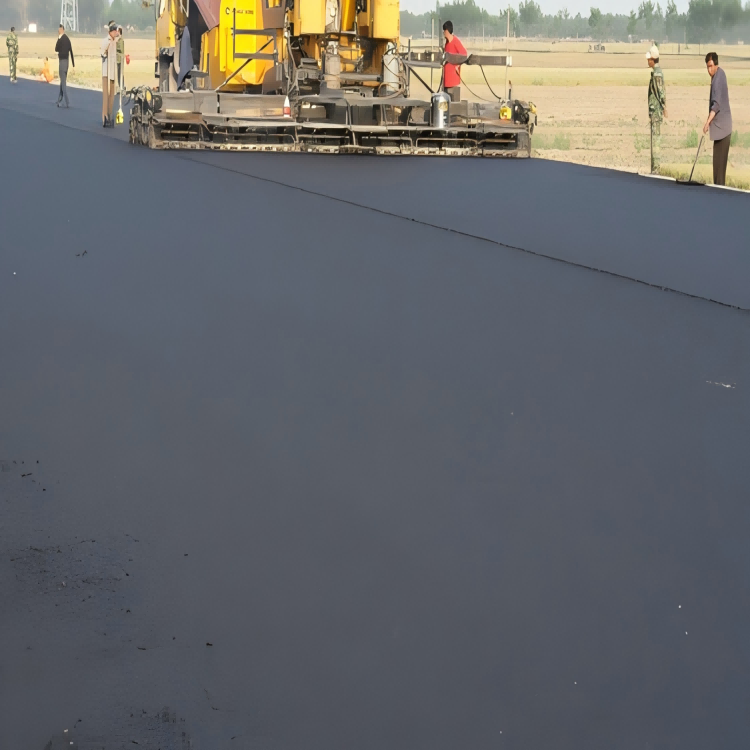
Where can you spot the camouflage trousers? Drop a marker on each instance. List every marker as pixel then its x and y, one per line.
pixel 12 60
pixel 655 144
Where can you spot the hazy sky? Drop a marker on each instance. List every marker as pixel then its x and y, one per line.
pixel 550 6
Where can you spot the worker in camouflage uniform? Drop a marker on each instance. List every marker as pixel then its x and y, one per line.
pixel 120 59
pixel 657 106
pixel 11 42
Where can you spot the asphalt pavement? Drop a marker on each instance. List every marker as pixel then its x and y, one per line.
pixel 358 452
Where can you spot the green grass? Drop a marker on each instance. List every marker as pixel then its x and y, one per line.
pixel 692 139
pixel 740 140
pixel 703 173
pixel 543 141
pixel 641 142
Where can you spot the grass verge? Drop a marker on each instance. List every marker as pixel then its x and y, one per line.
pixel 736 178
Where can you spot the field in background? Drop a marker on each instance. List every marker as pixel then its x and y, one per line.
pixel 33 48
pixel 592 106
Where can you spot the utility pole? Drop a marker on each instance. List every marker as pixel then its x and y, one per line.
pixel 507 49
pixel 440 26
pixel 69 15
pixel 432 49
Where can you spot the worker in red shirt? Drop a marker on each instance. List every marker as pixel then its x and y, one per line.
pixel 452 73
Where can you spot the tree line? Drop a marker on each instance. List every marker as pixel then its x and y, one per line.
pixel 704 21
pixel 92 14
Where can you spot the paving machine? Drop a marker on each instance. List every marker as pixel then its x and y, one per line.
pixel 310 75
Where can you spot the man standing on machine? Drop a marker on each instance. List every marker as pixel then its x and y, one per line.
pixel 452 73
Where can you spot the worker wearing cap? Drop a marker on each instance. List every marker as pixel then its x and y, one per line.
pixel 452 73
pixel 657 106
pixel 109 73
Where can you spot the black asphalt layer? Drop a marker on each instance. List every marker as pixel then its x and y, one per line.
pixel 281 470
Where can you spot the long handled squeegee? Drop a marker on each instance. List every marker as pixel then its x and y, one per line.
pixel 689 180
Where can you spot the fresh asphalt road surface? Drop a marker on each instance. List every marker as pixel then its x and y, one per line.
pixel 417 488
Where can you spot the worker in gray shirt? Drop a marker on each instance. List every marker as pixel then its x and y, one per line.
pixel 719 120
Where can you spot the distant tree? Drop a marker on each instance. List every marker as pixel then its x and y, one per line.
pixel 131 13
pixel 595 18
pixel 529 13
pixel 632 23
pixel 730 12
pixel 673 21
pixel 44 13
pixel 91 15
pixel 646 12
pixel 514 23
pixel 701 20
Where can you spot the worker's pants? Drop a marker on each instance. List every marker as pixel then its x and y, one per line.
pixel 108 98
pixel 454 92
pixel 63 82
pixel 12 60
pixel 119 76
pixel 655 145
pixel 721 157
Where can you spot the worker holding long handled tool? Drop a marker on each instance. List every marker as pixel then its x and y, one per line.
pixel 719 122
pixel 689 180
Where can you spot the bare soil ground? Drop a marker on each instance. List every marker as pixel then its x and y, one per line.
pixel 592 107
pixel 33 49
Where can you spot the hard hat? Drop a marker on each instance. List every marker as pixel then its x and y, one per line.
pixel 653 53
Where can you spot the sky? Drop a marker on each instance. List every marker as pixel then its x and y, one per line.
pixel 550 6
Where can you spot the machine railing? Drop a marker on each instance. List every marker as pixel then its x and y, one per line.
pixel 270 33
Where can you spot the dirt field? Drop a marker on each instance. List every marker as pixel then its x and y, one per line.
pixel 87 72
pixel 592 106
